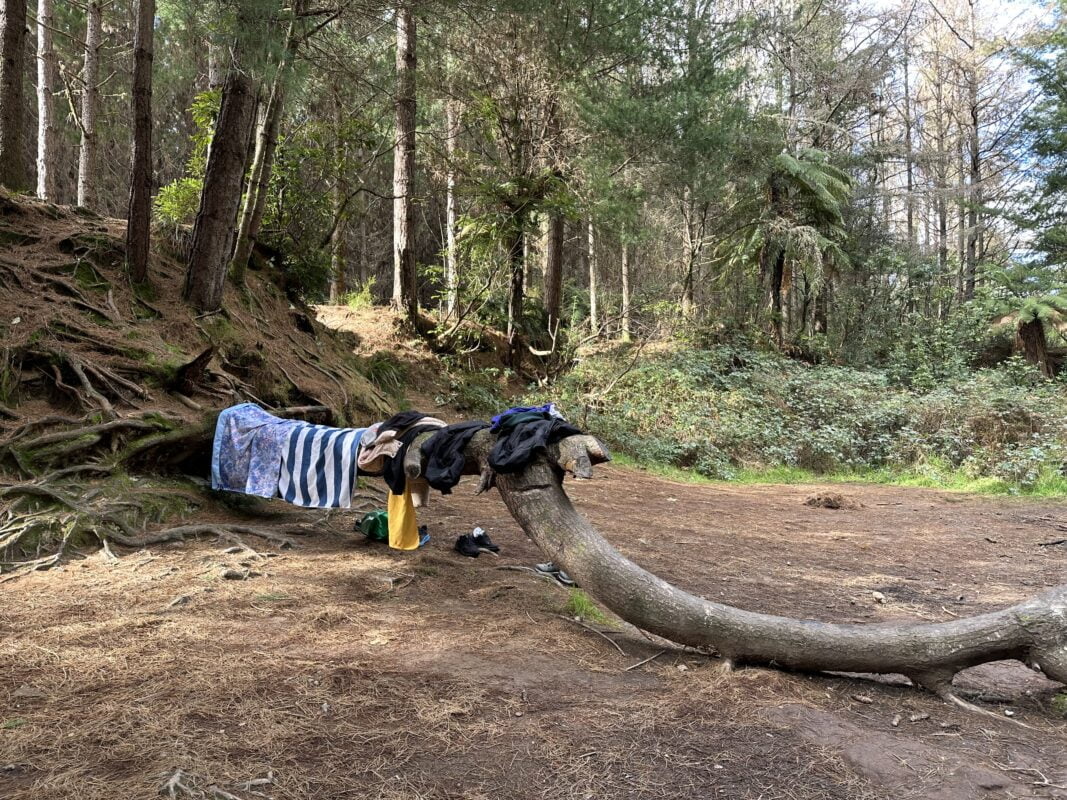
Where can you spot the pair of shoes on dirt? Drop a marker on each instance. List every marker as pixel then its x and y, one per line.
pixel 552 571
pixel 474 544
pixel 424 536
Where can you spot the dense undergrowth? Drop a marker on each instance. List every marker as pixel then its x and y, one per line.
pixel 735 413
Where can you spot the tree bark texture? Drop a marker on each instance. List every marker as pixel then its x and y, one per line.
pixel 263 160
pixel 1034 631
pixel 139 210
pixel 404 297
pixel 553 299
pixel 46 74
pixel 516 295
pixel 1035 345
pixel 94 37
pixel 909 153
pixel 338 261
pixel 625 275
pixel 594 316
pixel 216 66
pixel 451 268
pixel 13 167
pixel 215 228
pixel 974 146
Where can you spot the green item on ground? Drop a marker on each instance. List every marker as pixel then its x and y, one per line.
pixel 375 525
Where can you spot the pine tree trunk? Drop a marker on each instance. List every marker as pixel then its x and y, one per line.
pixel 263 161
pixel 962 235
pixel 553 299
pixel 688 256
pixel 46 132
pixel 625 270
pixel 940 180
pixel 974 146
pixel 215 228
pixel 139 211
pixel 13 167
pixel 883 159
pixel 516 252
pixel 404 297
pixel 909 155
pixel 974 218
pixel 338 261
pixel 451 270
pixel 930 654
pixel 594 317
pixel 363 268
pixel 94 32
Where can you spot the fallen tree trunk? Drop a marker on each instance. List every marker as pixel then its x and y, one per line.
pixel 1034 632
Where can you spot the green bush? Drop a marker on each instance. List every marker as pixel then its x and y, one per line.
pixel 360 298
pixel 178 201
pixel 476 394
pixel 727 409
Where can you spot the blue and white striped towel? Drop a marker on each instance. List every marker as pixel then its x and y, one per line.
pixel 319 466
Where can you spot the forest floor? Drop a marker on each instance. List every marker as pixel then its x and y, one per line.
pixel 340 669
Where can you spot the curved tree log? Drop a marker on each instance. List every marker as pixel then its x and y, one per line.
pixel 1034 631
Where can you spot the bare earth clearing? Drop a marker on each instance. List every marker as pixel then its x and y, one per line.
pixel 345 671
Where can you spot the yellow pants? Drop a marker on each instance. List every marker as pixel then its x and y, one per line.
pixel 403 529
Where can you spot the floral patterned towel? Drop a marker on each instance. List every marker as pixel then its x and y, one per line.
pixel 247 453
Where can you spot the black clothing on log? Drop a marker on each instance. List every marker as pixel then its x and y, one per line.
pixel 393 475
pixel 443 454
pixel 520 437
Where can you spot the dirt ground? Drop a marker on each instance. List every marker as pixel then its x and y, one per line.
pixel 342 670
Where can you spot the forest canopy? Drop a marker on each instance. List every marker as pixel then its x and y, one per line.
pixel 830 179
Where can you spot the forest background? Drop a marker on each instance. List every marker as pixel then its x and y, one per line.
pixel 730 237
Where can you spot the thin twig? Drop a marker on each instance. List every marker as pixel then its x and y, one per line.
pixel 645 661
pixel 601 634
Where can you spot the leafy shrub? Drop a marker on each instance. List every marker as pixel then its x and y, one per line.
pixel 360 298
pixel 729 408
pixel 178 201
pixel 477 394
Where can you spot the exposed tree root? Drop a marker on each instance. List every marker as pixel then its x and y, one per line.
pixel 226 531
pixel 89 384
pixel 41 422
pixel 956 700
pixel 61 515
pixel 190 375
pixel 86 439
